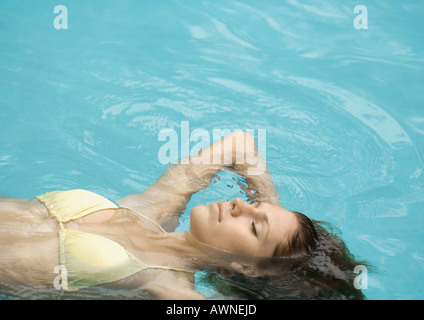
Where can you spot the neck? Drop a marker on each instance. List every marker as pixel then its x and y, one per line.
pixel 192 253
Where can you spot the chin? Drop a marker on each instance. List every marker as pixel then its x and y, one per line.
pixel 198 209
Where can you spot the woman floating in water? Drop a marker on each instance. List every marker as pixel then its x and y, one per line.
pixel 77 244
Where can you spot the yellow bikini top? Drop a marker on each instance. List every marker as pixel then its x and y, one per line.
pixel 90 259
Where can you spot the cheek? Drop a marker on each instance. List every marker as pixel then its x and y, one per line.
pixel 238 241
pixel 226 236
pixel 232 238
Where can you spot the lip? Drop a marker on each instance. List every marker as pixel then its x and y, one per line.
pixel 218 210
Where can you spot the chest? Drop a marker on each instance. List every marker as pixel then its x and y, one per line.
pixel 129 231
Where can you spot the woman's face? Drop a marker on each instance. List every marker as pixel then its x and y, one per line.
pixel 240 227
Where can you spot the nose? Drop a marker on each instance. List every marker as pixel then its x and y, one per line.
pixel 238 208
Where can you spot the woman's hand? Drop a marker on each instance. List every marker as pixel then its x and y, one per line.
pixel 237 152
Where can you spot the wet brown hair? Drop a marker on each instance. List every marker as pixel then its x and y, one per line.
pixel 303 240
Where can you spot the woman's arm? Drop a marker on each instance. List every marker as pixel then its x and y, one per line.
pixel 238 152
pixel 250 164
pixel 172 288
pixel 168 196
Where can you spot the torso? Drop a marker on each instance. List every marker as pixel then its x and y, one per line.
pixel 36 240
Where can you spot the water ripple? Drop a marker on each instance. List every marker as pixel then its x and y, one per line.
pixel 376 118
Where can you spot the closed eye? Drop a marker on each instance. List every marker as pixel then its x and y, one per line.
pixel 254 229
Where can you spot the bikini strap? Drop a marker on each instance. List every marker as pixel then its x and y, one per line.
pixel 143 216
pixel 170 268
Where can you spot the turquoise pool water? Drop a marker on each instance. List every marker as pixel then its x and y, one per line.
pixel 82 107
